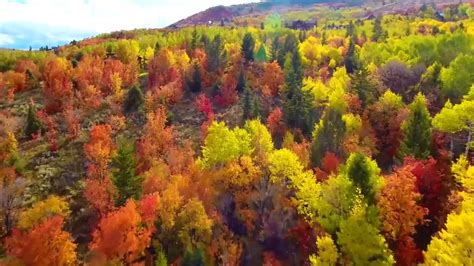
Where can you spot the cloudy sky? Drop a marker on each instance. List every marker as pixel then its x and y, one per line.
pixel 52 22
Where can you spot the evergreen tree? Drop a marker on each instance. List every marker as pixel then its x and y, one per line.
pixel 128 184
pixel 241 83
pixel 194 83
pixel 350 60
pixel 33 124
pixel 364 173
pixel 250 105
pixel 248 45
pixel 275 49
pixel 134 101
pixel 378 31
pixel 157 48
pixel 350 29
pixel 205 40
pixel 297 67
pixel 362 86
pixel 194 40
pixel 328 136
pixel 290 46
pixel 214 54
pixel 417 130
pixel 290 77
pixel 261 55
pixel 193 258
pixel 298 105
pixel 299 111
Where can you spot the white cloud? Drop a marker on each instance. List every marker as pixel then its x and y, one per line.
pixel 5 40
pixel 103 15
pixel 52 22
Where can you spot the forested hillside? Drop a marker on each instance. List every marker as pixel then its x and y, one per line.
pixel 315 136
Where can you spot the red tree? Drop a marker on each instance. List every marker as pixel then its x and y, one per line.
pixel 122 235
pixel 57 84
pixel 45 244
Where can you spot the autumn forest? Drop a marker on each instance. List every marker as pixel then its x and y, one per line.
pixel 318 136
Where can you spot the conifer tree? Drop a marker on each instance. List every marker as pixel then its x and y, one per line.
pixel 378 31
pixel 351 61
pixel 248 45
pixel 275 49
pixel 328 136
pixel 195 82
pixel 33 124
pixel 417 130
pixel 194 40
pixel 250 105
pixel 241 83
pixel 134 101
pixel 261 55
pixel 128 184
pixel 214 53
pixel 365 174
pixel 362 86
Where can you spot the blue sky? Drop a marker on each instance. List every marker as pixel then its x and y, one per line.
pixel 52 22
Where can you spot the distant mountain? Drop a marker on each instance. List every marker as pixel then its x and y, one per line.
pixel 224 15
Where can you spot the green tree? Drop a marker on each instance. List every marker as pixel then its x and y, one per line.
pixel 365 174
pixel 241 82
pixel 194 39
pixel 275 49
pixel 378 32
pixel 335 204
pixel 248 46
pixel 417 130
pixel 250 104
pixel 363 87
pixel 458 77
pixel 134 101
pixel 124 177
pixel 350 60
pixel 261 55
pixel 195 82
pixel 33 124
pixel 328 136
pixel 214 53
pixel 455 118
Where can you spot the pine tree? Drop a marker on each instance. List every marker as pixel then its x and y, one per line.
pixel 248 45
pixel 364 173
pixel 214 54
pixel 350 29
pixel 250 105
pixel 194 39
pixel 328 136
pixel 241 83
pixel 378 31
pixel 362 86
pixel 298 106
pixel 297 67
pixel 157 47
pixel 417 130
pixel 128 184
pixel 351 61
pixel 261 55
pixel 195 82
pixel 275 49
pixel 33 124
pixel 134 101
